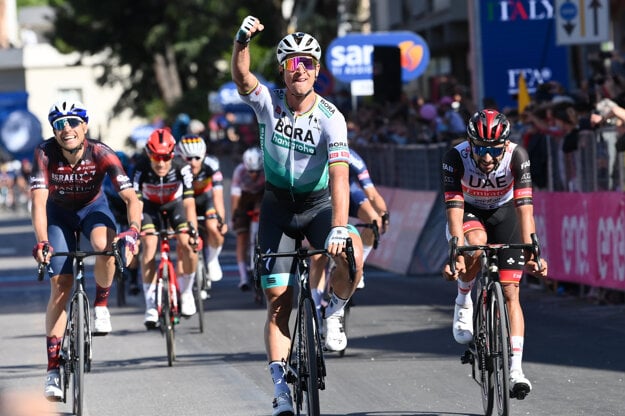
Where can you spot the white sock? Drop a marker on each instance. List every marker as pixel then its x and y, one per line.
pixel 213 253
pixel 149 289
pixel 335 305
pixel 366 250
pixel 278 372
pixel 185 282
pixel 464 293
pixel 517 353
pixel 242 271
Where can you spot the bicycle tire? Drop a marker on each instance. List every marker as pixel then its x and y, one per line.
pixel 167 321
pixel 120 280
pixel 500 350
pixel 481 364
pixel 308 373
pixel 198 285
pixel 346 312
pixel 78 355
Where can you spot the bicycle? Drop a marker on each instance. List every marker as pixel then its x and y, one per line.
pixel 306 369
pixel 202 283
pixel 76 346
pixel 490 351
pixel 167 291
pixel 259 296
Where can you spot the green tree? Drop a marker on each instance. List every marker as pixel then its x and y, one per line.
pixel 172 48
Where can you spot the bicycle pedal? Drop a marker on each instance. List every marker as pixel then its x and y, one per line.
pixel 467 357
pixel 519 392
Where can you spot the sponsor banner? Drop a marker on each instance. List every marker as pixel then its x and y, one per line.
pixel 518 37
pixel 409 213
pixel 350 57
pixel 582 236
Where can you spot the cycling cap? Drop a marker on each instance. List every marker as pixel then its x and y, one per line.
pixel 67 108
pixel 488 126
pixel 161 142
pixel 192 145
pixel 298 43
pixel 253 159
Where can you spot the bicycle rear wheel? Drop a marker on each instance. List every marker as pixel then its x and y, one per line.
pixel 166 316
pixel 77 345
pixel 481 362
pixel 308 373
pixel 500 350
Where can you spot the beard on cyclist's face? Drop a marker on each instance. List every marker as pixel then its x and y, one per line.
pixel 484 159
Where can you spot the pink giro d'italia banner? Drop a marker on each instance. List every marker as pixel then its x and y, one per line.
pixel 582 236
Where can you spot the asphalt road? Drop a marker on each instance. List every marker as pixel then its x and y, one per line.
pixel 401 357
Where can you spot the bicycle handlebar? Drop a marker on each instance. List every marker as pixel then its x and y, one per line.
pixel 305 252
pixel 376 231
pixel 80 254
pixel 455 251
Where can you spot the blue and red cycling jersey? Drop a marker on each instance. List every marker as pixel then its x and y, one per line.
pixel 74 187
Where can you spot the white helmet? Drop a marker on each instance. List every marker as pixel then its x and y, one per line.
pixel 298 43
pixel 253 159
pixel 192 145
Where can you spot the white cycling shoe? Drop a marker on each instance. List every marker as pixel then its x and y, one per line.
pixel 150 319
pixel 463 324
pixel 188 307
pixel 101 320
pixel 335 337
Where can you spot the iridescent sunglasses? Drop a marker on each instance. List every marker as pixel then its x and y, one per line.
pixel 62 122
pixel 291 64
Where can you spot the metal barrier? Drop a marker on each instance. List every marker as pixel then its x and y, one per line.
pixel 415 166
pixel 594 166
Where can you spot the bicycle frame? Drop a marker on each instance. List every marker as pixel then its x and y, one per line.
pixel 167 292
pixel 76 346
pixel 490 351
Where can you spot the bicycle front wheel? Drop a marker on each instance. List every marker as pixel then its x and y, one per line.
pixel 166 317
pixel 120 280
pixel 198 286
pixel 500 350
pixel 482 367
pixel 308 372
pixel 79 332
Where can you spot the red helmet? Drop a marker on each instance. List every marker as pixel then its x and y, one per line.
pixel 489 127
pixel 161 142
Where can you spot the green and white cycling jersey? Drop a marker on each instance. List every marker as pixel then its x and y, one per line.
pixel 298 149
